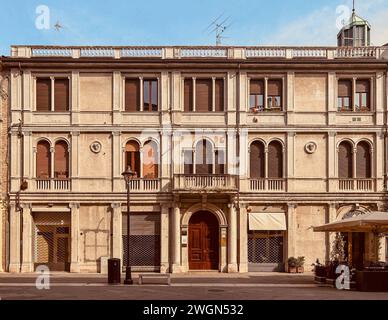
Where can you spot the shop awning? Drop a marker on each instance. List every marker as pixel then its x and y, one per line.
pixel 368 222
pixel 265 221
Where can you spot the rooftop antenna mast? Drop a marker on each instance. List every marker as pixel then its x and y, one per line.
pixel 219 27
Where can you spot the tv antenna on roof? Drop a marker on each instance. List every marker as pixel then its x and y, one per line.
pixel 219 26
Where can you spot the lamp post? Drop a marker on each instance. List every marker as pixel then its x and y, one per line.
pixel 128 175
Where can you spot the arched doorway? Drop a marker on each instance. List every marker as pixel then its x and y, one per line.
pixel 203 241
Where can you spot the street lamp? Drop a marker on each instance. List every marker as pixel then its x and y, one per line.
pixel 128 176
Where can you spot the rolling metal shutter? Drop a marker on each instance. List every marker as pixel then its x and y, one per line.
pixel 203 89
pixel 188 95
pixel 132 95
pixel 43 94
pixel 345 165
pixel 219 95
pixel 61 95
pixel 144 248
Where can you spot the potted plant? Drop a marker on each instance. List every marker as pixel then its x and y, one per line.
pixel 319 272
pixel 292 264
pixel 300 265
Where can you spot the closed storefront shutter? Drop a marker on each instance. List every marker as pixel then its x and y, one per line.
pixel 203 89
pixel 43 94
pixel 144 249
pixel 132 95
pixel 61 95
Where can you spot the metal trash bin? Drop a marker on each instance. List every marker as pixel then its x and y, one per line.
pixel 114 271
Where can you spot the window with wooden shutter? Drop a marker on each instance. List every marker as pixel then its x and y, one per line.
pixel 275 160
pixel 203 95
pixel 274 97
pixel 132 157
pixel 345 95
pixel 219 95
pixel 61 160
pixel 345 161
pixel 188 95
pixel 43 160
pixel 363 161
pixel 43 94
pixel 188 162
pixel 132 95
pixel 257 157
pixel 61 95
pixel 220 162
pixel 204 158
pixel 150 160
pixel 362 99
pixel 256 95
pixel 150 95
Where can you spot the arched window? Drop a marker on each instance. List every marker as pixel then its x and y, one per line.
pixel 204 157
pixel 43 160
pixel 363 160
pixel 275 160
pixel 345 162
pixel 150 160
pixel 257 160
pixel 61 160
pixel 132 156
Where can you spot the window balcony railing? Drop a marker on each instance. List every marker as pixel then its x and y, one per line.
pixel 144 185
pixel 53 184
pixel 276 185
pixel 208 183
pixel 350 185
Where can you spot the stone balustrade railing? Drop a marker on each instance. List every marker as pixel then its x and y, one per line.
pixel 201 52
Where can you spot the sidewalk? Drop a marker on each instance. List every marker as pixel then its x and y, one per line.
pixel 190 278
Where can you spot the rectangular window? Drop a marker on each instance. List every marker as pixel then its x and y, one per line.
pixel 43 94
pixel 220 162
pixel 219 95
pixel 188 162
pixel 150 95
pixel 274 95
pixel 256 95
pixel 61 95
pixel 362 100
pixel 188 95
pixel 203 95
pixel 45 99
pixel 132 95
pixel 345 95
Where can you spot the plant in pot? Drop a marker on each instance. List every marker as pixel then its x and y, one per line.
pixel 292 264
pixel 300 264
pixel 319 272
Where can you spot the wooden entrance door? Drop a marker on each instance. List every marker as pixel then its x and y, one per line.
pixel 203 241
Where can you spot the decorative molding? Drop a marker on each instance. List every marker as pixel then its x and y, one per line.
pixel 74 205
pixel 115 205
pixel 96 146
pixel 310 147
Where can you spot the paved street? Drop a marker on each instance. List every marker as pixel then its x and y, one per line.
pixel 260 286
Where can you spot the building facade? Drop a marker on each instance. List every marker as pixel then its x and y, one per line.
pixel 238 153
pixel 4 90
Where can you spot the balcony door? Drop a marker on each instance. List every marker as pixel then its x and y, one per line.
pixel 204 158
pixel 203 241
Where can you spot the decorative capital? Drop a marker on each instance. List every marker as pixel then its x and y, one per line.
pixel 115 205
pixel 74 205
pixel 75 133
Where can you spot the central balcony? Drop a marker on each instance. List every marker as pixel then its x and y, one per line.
pixel 205 183
pixel 53 185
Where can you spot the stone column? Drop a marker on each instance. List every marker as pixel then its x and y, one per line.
pixel 176 239
pixel 243 237
pixel 117 231
pixel 291 230
pixel 164 243
pixel 232 239
pixel 332 165
pixel 14 251
pixel 331 235
pixel 116 163
pixel 383 249
pixel 74 160
pixel 75 233
pixel 27 265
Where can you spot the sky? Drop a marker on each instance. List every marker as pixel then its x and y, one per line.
pixel 184 22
